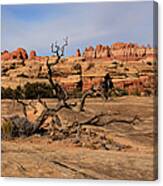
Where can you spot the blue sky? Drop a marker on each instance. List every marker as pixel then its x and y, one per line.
pixel 37 26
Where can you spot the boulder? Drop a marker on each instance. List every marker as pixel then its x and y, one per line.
pixel 32 54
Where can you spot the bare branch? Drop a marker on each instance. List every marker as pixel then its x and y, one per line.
pixel 24 106
pixel 33 106
pixel 64 45
pixel 56 51
pixel 82 103
pixel 90 93
pixel 60 93
pixel 59 51
pixel 132 121
pixel 42 103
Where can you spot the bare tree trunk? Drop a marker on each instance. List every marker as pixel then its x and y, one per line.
pixel 83 99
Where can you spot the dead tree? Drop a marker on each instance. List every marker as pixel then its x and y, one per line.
pixel 58 90
pixel 20 126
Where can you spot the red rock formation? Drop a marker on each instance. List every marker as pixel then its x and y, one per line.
pixel 89 53
pixel 102 51
pixel 120 51
pixel 78 54
pixel 32 54
pixel 13 55
pixel 136 86
pixel 22 54
pixel 127 51
pixel 118 45
pixel 5 55
pixel 99 52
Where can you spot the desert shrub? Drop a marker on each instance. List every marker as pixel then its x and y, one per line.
pixel 18 93
pixel 119 92
pixel 126 69
pixel 7 93
pixel 6 129
pixel 75 94
pixel 149 63
pixel 155 63
pixel 121 65
pixel 136 93
pixel 115 63
pixel 148 92
pixel 76 66
pixel 2 93
pixel 29 91
pixel 32 91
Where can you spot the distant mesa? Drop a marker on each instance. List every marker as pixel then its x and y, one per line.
pixel 19 54
pixel 131 66
pixel 118 51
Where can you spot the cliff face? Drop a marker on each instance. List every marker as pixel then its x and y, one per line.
pixel 131 67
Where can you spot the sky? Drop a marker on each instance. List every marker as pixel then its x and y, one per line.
pixel 36 26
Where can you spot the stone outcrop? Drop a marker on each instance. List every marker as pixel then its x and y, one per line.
pixel 89 53
pixel 120 51
pixel 127 51
pixel 132 68
pixel 102 51
pixel 32 54
pixel 5 55
pixel 22 54
pixel 18 54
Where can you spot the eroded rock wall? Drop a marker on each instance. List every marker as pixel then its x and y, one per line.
pixel 131 67
pixel 120 51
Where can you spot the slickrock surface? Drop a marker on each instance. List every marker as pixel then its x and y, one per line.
pixel 38 156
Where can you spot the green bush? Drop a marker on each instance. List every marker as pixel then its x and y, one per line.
pixel 29 91
pixel 7 93
pixel 32 91
pixel 18 93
